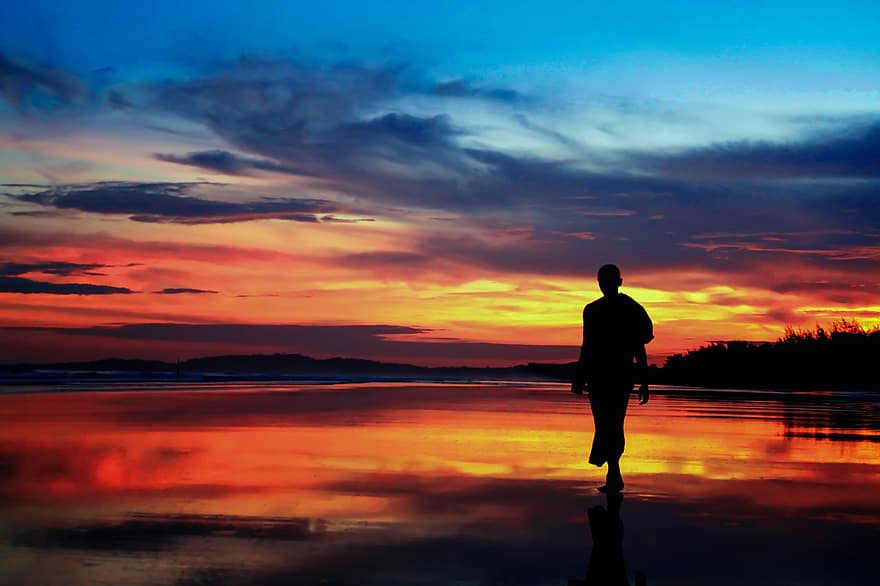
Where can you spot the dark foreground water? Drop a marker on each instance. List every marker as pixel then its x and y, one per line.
pixel 433 484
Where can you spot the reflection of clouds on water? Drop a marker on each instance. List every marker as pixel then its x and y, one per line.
pixel 492 499
pixel 292 404
pixel 836 416
pixel 543 539
pixel 34 472
pixel 428 484
pixel 149 532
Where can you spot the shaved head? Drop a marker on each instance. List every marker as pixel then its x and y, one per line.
pixel 609 279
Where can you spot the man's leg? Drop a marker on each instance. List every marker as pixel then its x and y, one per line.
pixel 614 480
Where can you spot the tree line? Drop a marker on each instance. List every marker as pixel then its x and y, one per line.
pixel 842 357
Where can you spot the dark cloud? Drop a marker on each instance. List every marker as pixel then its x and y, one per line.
pixel 335 220
pixel 560 137
pixel 22 285
pixel 828 228
pixel 551 252
pixel 338 125
pixel 26 85
pixel 228 163
pixel 278 109
pixel 362 341
pixel 247 333
pixel 842 207
pixel 329 122
pixel 783 315
pixel 343 127
pixel 459 88
pixel 851 152
pixel 37 214
pixel 827 248
pixel 170 203
pixel 618 212
pixel 787 286
pixel 66 269
pixel 117 100
pixel 180 290
pixel 397 131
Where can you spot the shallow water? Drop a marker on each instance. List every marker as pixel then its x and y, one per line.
pixel 409 483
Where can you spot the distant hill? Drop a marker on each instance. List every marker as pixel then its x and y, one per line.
pixel 843 357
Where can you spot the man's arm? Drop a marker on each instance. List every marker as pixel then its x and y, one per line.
pixel 642 370
pixel 578 383
pixel 645 333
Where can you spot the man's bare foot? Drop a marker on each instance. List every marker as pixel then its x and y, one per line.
pixel 615 486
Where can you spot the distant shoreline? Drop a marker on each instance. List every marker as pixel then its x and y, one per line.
pixel 267 367
pixel 297 368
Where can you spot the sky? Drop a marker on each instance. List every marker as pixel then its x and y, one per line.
pixel 431 183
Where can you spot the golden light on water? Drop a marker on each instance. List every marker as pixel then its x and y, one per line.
pixel 102 444
pixel 229 477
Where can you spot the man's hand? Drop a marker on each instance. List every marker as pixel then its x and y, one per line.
pixel 644 395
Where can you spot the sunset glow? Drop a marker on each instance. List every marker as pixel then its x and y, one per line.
pixel 421 188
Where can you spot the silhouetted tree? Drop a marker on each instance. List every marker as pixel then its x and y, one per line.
pixel 841 358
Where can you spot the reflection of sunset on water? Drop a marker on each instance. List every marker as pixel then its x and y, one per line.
pixel 261 442
pixel 399 465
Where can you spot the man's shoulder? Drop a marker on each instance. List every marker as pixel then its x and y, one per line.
pixel 641 319
pixel 609 305
pixel 629 300
pixel 595 305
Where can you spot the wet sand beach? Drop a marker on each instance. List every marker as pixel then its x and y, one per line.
pixel 418 483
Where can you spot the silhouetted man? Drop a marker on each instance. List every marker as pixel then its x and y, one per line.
pixel 616 329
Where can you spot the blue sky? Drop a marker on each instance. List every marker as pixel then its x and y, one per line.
pixel 470 37
pixel 798 58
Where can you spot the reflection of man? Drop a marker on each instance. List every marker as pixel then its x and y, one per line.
pixel 616 329
pixel 607 566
